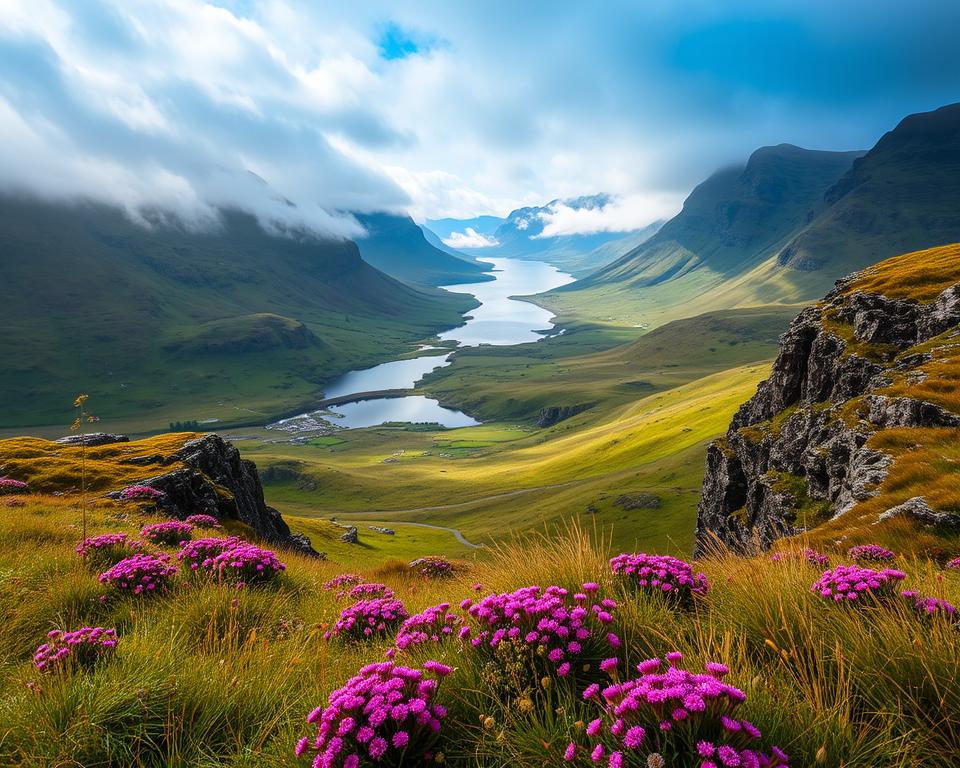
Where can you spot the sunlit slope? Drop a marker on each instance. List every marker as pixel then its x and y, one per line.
pixel 507 479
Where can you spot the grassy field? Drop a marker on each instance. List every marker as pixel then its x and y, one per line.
pixel 207 675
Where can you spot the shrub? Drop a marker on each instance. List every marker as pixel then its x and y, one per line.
pixel 368 618
pixel 140 493
pixel 930 607
pixel 171 532
pixel 246 564
pixel 140 574
pixel 368 591
pixel 83 647
pixel 433 567
pixel 432 625
pixel 384 714
pixel 551 630
pixel 663 575
pixel 199 553
pixel 106 550
pixel 9 485
pixel 870 553
pixel 672 718
pixel 849 583
pixel 203 521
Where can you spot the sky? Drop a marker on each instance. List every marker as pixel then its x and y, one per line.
pixel 176 109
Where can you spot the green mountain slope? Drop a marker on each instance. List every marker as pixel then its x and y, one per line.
pixel 732 222
pixel 162 324
pixel 397 246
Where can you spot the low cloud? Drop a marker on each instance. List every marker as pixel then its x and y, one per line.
pixel 622 214
pixel 470 238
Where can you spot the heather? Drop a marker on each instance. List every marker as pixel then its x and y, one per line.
pixel 202 521
pixel 106 550
pixel 84 647
pixel 169 533
pixel 207 675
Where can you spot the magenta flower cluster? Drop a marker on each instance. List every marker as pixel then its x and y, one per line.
pixel 674 717
pixel 870 553
pixel 930 607
pixel 140 493
pixel 954 564
pixel 9 485
pixel 83 646
pixel 660 574
pixel 107 549
pixel 203 521
pixel 385 715
pixel 849 583
pixel 199 553
pixel 433 567
pixel 246 564
pixel 368 618
pixel 368 591
pixel 816 558
pixel 141 574
pixel 433 625
pixel 172 532
pixel 341 582
pixel 562 632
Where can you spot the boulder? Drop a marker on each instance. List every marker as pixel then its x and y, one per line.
pixel 93 439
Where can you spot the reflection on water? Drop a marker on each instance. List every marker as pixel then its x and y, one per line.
pixel 414 409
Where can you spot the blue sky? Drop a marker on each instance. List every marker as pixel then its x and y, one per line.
pixel 444 109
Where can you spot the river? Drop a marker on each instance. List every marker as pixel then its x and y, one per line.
pixel 499 320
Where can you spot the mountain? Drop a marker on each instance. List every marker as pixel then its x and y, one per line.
pixel 731 223
pixel 854 435
pixel 901 196
pixel 397 246
pixel 520 236
pixel 786 227
pixel 164 324
pixel 445 228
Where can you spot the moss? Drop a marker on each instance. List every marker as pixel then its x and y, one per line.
pixel 808 511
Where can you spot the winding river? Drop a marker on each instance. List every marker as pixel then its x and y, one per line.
pixel 499 320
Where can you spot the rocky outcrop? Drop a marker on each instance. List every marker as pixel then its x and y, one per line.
pixel 553 414
pixel 215 480
pixel 93 439
pixel 796 454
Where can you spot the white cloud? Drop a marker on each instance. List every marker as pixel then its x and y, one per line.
pixel 470 238
pixel 622 214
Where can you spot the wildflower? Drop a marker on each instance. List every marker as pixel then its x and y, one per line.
pixel 199 553
pixel 870 553
pixel 699 729
pixel 433 567
pixel 358 721
pixel 84 647
pixel 107 549
pixel 847 583
pixel 930 607
pixel 140 493
pixel 246 564
pixel 140 574
pixel 609 665
pixel 432 625
pixel 954 564
pixel 815 558
pixel 548 627
pixel 203 521
pixel 368 618
pixel 9 485
pixel 366 591
pixel 171 532
pixel 667 576
pixel 570 753
pixel 341 581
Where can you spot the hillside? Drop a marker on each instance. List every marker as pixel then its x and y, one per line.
pixel 162 324
pixel 213 667
pixel 397 246
pixel 731 223
pixel 855 434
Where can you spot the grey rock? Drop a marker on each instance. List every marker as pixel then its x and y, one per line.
pixel 553 414
pixel 920 510
pixel 630 501
pixel 93 439
pixel 818 444
pixel 352 535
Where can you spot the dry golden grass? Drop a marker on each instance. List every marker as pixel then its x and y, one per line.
pixel 920 275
